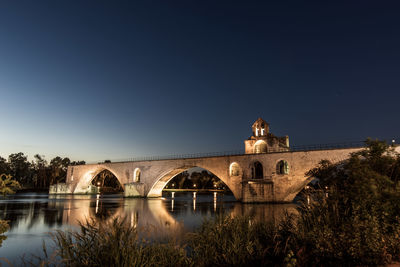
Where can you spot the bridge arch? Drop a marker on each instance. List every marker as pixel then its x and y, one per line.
pixel 163 179
pixel 87 177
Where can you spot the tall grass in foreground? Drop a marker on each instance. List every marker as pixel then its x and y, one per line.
pixel 240 241
pixel 221 241
pixel 114 244
pixel 312 240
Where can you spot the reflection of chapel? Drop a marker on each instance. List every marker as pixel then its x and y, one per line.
pixel 262 141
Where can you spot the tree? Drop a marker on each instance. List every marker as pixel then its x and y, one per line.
pixel 353 218
pixel 58 169
pixel 179 180
pixel 40 177
pixel 4 167
pixel 20 168
pixel 74 163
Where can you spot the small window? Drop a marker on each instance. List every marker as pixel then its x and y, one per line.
pixel 282 167
pixel 234 169
pixel 136 175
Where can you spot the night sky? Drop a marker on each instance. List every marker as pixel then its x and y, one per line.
pixel 95 80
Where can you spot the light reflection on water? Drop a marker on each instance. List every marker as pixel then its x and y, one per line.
pixel 32 216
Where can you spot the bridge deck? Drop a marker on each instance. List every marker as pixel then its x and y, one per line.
pixel 303 148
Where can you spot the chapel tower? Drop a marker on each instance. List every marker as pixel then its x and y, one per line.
pixel 262 141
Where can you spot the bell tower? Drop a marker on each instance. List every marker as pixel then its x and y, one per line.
pixel 260 128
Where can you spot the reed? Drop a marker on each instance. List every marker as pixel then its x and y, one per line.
pixel 114 243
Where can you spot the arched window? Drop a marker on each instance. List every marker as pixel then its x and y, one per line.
pixel 282 167
pixel 234 169
pixel 258 170
pixel 136 175
pixel 260 147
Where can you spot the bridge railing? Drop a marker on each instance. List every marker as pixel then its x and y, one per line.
pixel 357 144
pixel 181 156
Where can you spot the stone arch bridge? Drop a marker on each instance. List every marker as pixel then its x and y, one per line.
pixel 261 177
pixel 268 171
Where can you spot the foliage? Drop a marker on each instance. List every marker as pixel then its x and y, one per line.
pixel 8 185
pixel 4 166
pixel 3 228
pixel 223 241
pixel 354 218
pixel 240 241
pixel 38 173
pixel 19 167
pixel 226 241
pixel 114 244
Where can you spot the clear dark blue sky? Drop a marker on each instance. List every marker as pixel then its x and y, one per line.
pixel 113 79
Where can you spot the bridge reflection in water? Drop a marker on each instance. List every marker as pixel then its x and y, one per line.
pixel 149 214
pixel 174 214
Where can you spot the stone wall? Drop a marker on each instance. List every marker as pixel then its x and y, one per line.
pixel 134 190
pixel 61 188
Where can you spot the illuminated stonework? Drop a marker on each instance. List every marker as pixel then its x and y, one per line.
pixel 262 141
pixel 256 176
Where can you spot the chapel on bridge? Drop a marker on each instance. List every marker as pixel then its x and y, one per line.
pixel 262 141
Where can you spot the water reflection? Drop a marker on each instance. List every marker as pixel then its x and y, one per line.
pixel 215 201
pixel 32 216
pixel 138 212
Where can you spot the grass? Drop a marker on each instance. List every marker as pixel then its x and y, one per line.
pixel 221 241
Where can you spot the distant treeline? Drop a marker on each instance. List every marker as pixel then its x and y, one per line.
pixel 38 173
pixel 198 180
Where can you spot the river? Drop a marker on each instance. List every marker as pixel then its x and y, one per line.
pixel 32 216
